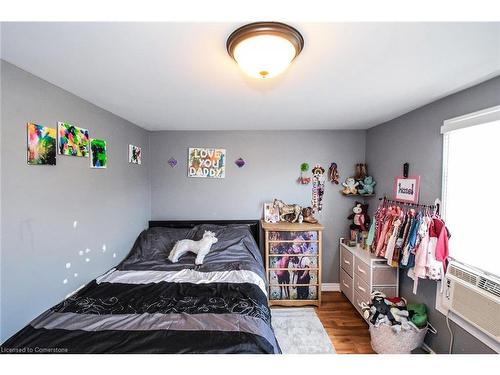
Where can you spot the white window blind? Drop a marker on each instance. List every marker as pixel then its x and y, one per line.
pixel 471 188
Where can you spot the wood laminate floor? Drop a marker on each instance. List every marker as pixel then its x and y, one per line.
pixel 345 327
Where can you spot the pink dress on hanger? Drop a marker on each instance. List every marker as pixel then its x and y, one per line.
pixel 385 233
pixel 437 251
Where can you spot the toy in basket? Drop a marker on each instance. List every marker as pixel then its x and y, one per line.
pixel 395 326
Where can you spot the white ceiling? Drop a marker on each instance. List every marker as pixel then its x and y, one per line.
pixel 179 76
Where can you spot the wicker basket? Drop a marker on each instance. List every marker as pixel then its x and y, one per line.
pixel 385 341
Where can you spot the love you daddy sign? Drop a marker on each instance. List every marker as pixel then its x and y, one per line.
pixel 207 162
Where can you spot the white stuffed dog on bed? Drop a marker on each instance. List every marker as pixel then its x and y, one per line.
pixel 201 248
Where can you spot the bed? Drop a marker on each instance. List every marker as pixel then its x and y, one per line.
pixel 146 304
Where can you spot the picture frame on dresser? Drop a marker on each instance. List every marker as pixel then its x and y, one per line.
pixel 361 272
pixel 293 263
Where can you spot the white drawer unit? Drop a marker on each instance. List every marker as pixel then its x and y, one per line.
pixel 361 272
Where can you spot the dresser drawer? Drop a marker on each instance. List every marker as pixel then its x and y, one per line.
pixel 292 276
pixel 389 291
pixel 346 284
pixel 384 276
pixel 304 236
pixel 346 261
pixel 296 293
pixel 294 248
pixel 357 300
pixel 362 288
pixel 293 261
pixel 362 270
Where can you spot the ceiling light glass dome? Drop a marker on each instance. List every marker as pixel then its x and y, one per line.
pixel 264 49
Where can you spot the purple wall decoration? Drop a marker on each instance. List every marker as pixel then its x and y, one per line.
pixel 239 162
pixel 172 162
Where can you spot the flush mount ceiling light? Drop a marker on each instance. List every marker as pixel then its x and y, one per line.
pixel 264 49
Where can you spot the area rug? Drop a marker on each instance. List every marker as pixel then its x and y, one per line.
pixel 299 331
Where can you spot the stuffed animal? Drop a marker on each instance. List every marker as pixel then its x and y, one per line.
pixel 307 215
pixel 201 248
pixel 288 212
pixel 418 314
pixel 390 311
pixel 333 174
pixel 359 217
pixel 381 310
pixel 350 186
pixel 368 185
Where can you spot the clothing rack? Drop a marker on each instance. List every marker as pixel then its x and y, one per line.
pixel 433 207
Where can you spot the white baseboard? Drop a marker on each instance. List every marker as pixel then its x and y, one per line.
pixel 330 287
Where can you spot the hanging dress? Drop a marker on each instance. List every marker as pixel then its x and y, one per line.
pixel 371 233
pixel 420 268
pixel 382 237
pixel 437 251
pixel 408 258
pixel 391 244
pixel 403 231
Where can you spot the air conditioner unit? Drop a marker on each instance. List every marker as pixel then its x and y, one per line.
pixel 474 296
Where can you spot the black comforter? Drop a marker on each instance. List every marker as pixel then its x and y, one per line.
pixel 149 305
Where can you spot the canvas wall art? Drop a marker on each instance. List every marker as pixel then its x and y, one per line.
pixel 134 154
pixel 207 162
pixel 98 154
pixel 73 141
pixel 41 145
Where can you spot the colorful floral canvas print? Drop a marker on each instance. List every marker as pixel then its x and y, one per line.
pixel 98 154
pixel 73 141
pixel 41 145
pixel 134 154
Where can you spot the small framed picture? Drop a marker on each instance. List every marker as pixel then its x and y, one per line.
pixel 271 213
pixel 406 189
pixel 134 154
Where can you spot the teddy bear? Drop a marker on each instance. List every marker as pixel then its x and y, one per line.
pixel 367 185
pixel 350 186
pixel 359 217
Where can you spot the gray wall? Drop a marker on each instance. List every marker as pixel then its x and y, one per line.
pixel 40 203
pixel 415 138
pixel 272 167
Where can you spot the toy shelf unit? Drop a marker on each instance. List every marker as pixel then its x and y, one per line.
pixel 361 273
pixel 358 195
pixel 293 263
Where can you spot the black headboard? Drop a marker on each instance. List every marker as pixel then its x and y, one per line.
pixel 253 225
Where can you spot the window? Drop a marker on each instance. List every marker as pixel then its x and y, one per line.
pixel 471 188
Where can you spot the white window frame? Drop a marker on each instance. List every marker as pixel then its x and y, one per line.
pixel 472 119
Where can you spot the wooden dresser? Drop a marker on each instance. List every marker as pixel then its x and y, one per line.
pixel 361 272
pixel 293 263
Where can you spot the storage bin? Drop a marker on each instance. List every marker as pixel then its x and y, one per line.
pixel 385 341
